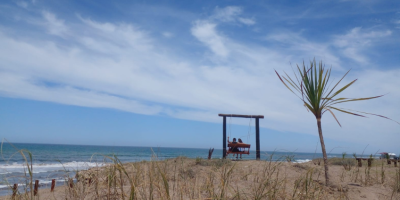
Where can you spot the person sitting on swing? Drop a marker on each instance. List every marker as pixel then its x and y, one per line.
pixel 234 149
pixel 240 149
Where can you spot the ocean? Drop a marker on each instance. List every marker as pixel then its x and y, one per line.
pixel 55 161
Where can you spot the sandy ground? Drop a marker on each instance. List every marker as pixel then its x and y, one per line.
pixel 244 180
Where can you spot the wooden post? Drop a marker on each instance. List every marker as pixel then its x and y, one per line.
pixel 35 190
pixel 359 162
pixel 224 138
pixel 53 184
pixel 71 182
pixel 369 162
pixel 15 190
pixel 257 139
pixel 210 153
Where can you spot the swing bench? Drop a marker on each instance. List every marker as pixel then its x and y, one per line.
pixel 245 147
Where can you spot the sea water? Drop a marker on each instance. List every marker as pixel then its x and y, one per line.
pixel 60 162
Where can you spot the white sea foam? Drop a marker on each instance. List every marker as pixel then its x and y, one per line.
pixel 42 167
pixel 3 186
pixel 9 186
pixel 41 181
pixel 302 161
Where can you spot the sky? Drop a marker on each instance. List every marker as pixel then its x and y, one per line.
pixel 158 73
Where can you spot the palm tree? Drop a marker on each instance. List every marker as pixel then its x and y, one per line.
pixel 311 86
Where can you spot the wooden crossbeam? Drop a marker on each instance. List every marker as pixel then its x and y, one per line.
pixel 242 116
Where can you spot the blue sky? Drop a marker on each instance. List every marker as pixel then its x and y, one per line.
pixel 157 73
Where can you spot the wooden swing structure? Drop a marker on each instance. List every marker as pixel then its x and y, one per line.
pixel 232 145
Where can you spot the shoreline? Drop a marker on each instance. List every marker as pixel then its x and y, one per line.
pixel 157 147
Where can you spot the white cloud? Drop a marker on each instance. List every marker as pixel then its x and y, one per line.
pixel 246 21
pixel 356 40
pixel 104 27
pixel 54 25
pixel 227 14
pixel 354 44
pixel 205 32
pixel 167 34
pixel 22 4
pixel 22 87
pixel 231 14
pixel 110 35
pixel 299 48
pixel 397 23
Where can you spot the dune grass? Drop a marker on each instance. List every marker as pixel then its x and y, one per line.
pixel 185 178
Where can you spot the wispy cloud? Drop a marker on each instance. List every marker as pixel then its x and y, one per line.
pixel 246 21
pixel 205 32
pixel 25 87
pixel 231 14
pixel 227 14
pixel 300 48
pixel 397 23
pixel 22 4
pixel 356 40
pixel 167 34
pixel 54 26
pixel 115 36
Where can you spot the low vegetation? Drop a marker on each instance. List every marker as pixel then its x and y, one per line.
pixel 185 178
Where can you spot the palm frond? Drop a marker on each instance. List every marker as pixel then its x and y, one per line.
pixel 309 107
pixel 312 85
pixel 337 84
pixel 342 89
pixel 344 111
pixel 334 116
pixel 294 83
pixel 288 80
pixel 298 81
pixel 343 100
pixel 374 115
pixel 285 84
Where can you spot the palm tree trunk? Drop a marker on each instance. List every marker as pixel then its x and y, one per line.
pixel 321 138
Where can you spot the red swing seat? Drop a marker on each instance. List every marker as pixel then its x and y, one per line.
pixel 243 146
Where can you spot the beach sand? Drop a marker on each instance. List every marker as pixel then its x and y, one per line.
pixel 184 178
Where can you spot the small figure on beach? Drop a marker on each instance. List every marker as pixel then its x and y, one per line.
pixel 234 141
pixel 234 149
pixel 240 149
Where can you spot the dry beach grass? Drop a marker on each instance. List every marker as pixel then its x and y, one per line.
pixel 184 178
